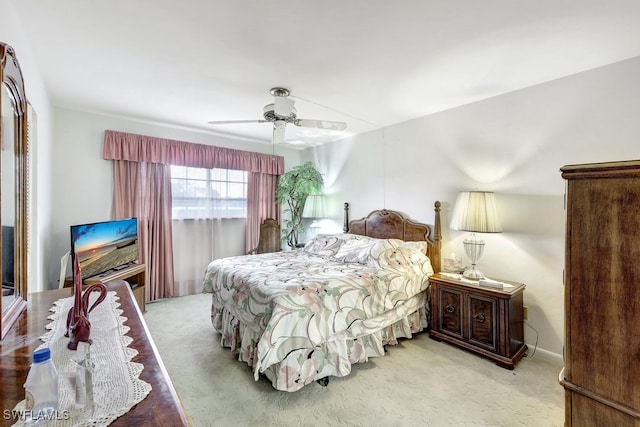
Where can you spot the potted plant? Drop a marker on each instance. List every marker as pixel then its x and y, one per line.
pixel 293 189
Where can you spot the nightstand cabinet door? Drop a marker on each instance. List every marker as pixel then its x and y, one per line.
pixel 450 312
pixel 483 325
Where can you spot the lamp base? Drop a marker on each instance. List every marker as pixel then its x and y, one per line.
pixel 473 274
pixel 474 247
pixel 314 229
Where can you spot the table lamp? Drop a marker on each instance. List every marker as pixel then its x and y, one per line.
pixel 314 210
pixel 475 211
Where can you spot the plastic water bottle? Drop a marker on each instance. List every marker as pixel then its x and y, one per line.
pixel 41 387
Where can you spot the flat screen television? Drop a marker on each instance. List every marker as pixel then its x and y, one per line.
pixel 105 246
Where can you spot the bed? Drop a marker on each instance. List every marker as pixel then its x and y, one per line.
pixel 308 314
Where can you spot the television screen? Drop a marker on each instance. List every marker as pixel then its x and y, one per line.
pixel 104 246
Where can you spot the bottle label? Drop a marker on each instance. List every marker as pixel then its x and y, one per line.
pixel 29 401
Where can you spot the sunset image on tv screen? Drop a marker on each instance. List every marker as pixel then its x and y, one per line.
pixel 105 245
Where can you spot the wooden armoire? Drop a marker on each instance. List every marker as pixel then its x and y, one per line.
pixel 601 374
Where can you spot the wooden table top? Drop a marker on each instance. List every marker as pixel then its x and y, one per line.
pixel 160 408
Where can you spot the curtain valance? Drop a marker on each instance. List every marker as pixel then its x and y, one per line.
pixel 141 148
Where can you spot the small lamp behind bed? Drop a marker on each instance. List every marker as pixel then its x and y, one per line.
pixel 314 210
pixel 475 211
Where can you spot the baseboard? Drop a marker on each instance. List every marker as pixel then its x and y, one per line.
pixel 547 355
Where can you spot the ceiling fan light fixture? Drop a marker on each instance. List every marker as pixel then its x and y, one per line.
pixel 283 106
pixel 278 131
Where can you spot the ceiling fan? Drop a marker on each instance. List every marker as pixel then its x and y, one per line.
pixel 281 112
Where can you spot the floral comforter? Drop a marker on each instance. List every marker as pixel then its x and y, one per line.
pixel 299 316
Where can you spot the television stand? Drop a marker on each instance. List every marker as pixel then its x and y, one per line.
pixel 134 274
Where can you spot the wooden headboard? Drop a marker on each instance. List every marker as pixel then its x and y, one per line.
pixel 388 224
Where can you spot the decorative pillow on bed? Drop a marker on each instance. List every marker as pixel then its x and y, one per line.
pixel 324 244
pixel 356 248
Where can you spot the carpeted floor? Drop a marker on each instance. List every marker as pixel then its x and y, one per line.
pixel 419 382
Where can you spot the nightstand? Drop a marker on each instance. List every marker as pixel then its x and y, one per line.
pixel 485 320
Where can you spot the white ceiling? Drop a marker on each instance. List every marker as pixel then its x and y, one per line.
pixel 370 63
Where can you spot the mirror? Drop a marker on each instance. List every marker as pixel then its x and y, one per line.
pixel 13 189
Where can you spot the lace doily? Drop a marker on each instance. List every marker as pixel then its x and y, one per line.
pixel 116 383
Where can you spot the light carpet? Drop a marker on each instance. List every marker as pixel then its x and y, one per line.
pixel 418 382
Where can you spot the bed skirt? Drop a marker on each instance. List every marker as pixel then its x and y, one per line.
pixel 330 358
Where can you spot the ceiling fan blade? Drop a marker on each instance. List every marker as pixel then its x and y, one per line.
pixel 321 124
pixel 278 131
pixel 233 122
pixel 282 106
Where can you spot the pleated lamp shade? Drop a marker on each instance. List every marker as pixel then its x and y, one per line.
pixel 476 211
pixel 314 207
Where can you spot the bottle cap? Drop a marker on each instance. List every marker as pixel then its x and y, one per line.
pixel 41 355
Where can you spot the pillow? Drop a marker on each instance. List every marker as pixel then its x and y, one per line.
pixel 419 246
pixel 383 253
pixel 324 244
pixel 383 245
pixel 402 255
pixel 356 248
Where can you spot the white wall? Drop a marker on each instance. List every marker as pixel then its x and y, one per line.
pixel 39 153
pixel 83 181
pixel 513 144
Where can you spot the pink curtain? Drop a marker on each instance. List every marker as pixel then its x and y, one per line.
pixel 261 204
pixel 143 190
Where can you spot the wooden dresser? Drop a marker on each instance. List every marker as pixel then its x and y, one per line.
pixel 160 408
pixel 601 374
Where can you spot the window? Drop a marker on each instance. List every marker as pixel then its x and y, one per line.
pixel 208 193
